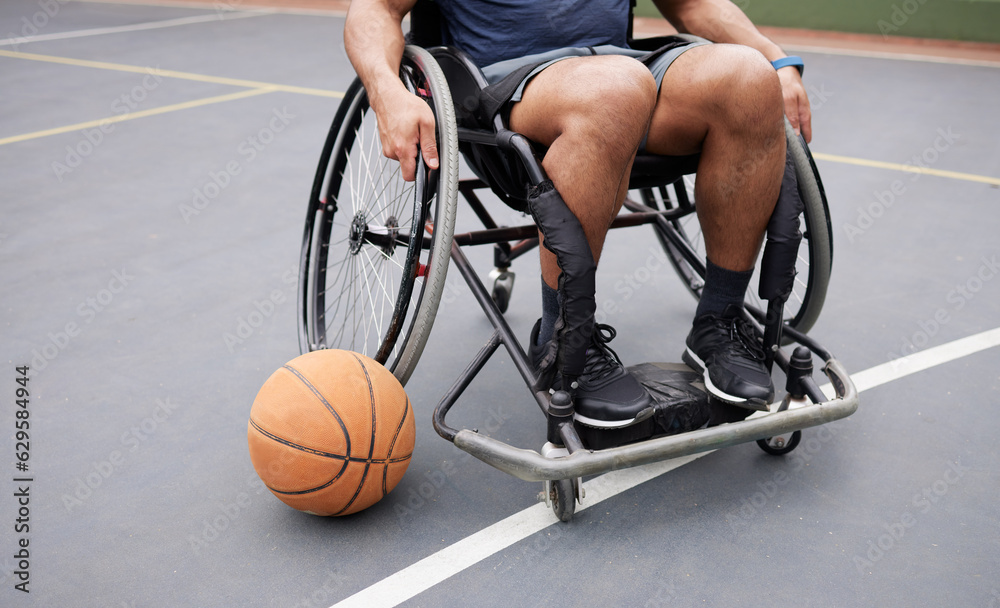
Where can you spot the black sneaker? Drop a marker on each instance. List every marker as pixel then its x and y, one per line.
pixel 726 349
pixel 607 396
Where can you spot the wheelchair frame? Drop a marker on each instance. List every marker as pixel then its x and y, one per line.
pixel 565 459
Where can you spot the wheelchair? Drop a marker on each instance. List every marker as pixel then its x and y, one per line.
pixel 376 251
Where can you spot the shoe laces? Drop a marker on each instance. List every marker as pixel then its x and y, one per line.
pixel 602 360
pixel 743 334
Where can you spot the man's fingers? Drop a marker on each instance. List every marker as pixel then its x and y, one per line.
pixel 407 158
pixel 428 141
pixel 406 131
pixel 805 119
pixel 430 152
pixel 792 112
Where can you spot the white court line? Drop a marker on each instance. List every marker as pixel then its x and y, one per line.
pixel 136 27
pixel 925 359
pixel 451 560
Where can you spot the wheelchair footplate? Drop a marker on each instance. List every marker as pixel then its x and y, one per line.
pixel 680 404
pixel 685 421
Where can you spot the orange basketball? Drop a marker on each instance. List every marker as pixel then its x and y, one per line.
pixel 331 432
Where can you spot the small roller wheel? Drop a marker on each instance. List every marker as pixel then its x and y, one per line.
pixel 777 446
pixel 562 495
pixel 501 296
pixel 503 285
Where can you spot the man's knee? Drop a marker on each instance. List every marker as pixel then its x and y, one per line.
pixel 623 85
pixel 625 79
pixel 749 90
pixel 609 92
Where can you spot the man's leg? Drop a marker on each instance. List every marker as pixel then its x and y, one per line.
pixel 725 101
pixel 591 113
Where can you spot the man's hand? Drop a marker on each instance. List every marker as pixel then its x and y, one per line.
pixel 374 41
pixel 796 101
pixel 406 127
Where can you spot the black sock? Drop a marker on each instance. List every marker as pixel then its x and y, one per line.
pixel 550 312
pixel 722 288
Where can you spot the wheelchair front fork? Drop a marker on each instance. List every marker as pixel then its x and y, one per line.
pixel 772 330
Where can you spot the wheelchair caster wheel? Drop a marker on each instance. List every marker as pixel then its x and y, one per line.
pixel 562 497
pixel 781 444
pixel 503 285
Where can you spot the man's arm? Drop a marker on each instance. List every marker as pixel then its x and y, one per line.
pixel 723 21
pixel 373 38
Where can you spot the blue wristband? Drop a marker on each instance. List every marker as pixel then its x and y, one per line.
pixel 790 60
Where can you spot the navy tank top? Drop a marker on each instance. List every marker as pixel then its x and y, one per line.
pixel 496 30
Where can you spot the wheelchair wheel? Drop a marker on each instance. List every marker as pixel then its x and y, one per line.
pixel 376 248
pixel 562 495
pixel 815 253
pixel 778 447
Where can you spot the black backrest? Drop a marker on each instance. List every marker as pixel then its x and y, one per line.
pixel 425 24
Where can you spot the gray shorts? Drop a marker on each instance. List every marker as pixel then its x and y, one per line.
pixel 657 63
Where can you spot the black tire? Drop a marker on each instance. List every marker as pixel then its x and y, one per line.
pixel 765 444
pixel 563 498
pixel 815 253
pixel 501 296
pixel 376 249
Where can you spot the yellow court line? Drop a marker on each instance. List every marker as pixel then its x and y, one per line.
pixel 132 115
pixel 120 67
pixel 970 177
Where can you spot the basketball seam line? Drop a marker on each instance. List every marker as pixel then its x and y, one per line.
pixel 326 404
pixel 347 437
pixel 329 455
pixel 392 445
pixel 371 446
pixel 347 460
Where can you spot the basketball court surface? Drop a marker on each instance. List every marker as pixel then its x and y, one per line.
pixel 156 162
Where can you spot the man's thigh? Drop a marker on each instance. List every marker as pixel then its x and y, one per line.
pixel 698 91
pixel 570 78
pixel 578 90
